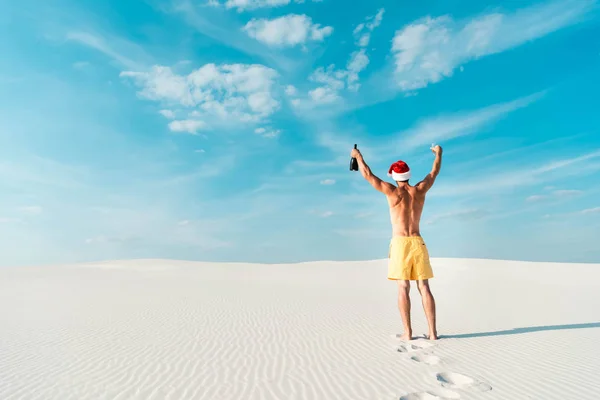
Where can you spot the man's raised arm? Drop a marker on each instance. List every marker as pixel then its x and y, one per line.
pixel 383 187
pixel 428 181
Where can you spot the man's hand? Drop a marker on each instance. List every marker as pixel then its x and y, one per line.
pixel 355 153
pixel 437 150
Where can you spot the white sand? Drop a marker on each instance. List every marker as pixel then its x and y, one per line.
pixel 177 330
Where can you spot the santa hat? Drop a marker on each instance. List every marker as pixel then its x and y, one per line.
pixel 399 171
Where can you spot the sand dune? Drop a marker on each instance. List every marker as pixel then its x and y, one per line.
pixel 159 329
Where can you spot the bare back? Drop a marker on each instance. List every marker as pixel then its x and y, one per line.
pixel 406 206
pixel 405 201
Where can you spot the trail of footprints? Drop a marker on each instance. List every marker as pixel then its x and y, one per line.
pixel 450 383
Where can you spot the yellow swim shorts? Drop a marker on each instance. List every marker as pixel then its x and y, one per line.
pixel 408 259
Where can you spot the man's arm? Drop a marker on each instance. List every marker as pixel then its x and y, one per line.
pixel 384 187
pixel 428 181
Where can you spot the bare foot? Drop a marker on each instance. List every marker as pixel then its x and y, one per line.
pixel 432 336
pixel 405 336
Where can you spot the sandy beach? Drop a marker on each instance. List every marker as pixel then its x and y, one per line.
pixel 160 329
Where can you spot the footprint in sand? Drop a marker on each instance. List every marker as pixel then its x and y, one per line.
pixel 453 380
pixel 413 345
pixel 426 359
pixel 439 394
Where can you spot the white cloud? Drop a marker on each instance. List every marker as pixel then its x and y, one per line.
pixel 536 198
pixel 322 95
pixel 291 90
pixel 588 211
pixel 245 5
pixel 183 222
pixel 267 132
pixel 330 77
pixel 430 49
pixel 320 214
pixel 555 193
pixel 446 127
pixel 328 182
pixel 187 125
pixel 333 80
pixel 358 62
pixel 161 83
pixel 199 151
pixel 167 114
pixel 286 31
pixel 362 32
pixel 217 94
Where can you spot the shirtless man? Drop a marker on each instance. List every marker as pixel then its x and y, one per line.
pixel 408 255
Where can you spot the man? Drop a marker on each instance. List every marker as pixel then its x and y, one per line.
pixel 408 255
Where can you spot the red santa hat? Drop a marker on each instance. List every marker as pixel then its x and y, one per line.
pixel 399 171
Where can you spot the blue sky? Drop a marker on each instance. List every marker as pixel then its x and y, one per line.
pixel 221 130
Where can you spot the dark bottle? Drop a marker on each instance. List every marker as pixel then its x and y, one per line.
pixel 353 163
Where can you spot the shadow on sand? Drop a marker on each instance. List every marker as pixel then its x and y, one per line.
pixel 518 331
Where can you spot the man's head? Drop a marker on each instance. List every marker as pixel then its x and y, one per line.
pixel 399 171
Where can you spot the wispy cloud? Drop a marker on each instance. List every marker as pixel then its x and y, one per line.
pixel 321 214
pixel 286 31
pixel 102 45
pixel 554 194
pixel 328 182
pixel 362 32
pixel 430 49
pixel 535 198
pixel 332 81
pixel 246 5
pixel 589 211
pixel 528 175
pixel 567 162
pixel 267 132
pixel 446 127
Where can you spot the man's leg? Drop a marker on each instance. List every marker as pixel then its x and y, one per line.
pixel 428 306
pixel 404 307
